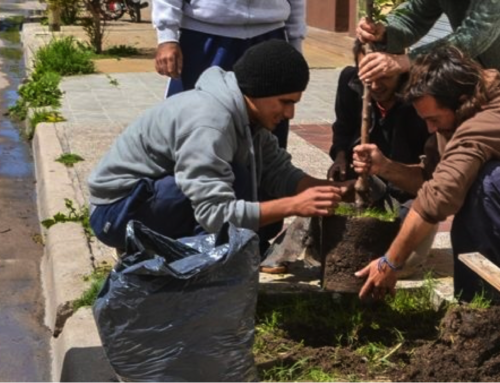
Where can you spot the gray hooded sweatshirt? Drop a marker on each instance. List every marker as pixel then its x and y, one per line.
pixel 197 135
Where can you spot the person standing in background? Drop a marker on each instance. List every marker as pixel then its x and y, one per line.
pixel 194 35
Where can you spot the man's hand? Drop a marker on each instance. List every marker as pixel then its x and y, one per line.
pixel 316 201
pixel 380 281
pixel 367 31
pixel 368 159
pixel 380 64
pixel 169 59
pixel 338 170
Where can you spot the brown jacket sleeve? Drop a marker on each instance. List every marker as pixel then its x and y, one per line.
pixel 474 143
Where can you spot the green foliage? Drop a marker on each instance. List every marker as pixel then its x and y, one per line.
pixel 69 159
pixel 349 210
pixel 480 301
pixel 74 215
pixel 11 53
pixel 113 81
pixel 96 279
pixel 122 51
pixel 376 331
pixel 65 57
pixel 381 8
pixel 43 116
pixel 42 89
pixel 11 26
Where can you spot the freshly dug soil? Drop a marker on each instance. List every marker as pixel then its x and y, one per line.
pixel 348 244
pixel 461 344
pixel 467 350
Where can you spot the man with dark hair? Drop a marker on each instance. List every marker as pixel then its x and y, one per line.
pixel 396 129
pixel 197 160
pixel 460 102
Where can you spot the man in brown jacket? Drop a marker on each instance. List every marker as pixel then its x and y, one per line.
pixel 460 102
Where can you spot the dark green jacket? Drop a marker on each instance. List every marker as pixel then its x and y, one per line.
pixel 476 26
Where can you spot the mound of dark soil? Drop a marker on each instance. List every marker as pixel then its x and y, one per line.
pixel 468 349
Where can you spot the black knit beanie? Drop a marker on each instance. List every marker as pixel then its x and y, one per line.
pixel 271 68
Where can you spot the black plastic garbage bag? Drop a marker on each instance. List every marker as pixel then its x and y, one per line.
pixel 181 310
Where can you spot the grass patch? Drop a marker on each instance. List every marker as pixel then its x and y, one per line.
pixel 69 159
pixel 349 210
pixel 96 279
pixel 289 327
pixel 122 51
pixel 64 56
pixel 14 54
pixel 73 215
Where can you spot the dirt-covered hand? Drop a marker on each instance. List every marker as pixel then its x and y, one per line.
pixel 316 201
pixel 368 31
pixel 380 64
pixel 380 281
pixel 368 159
pixel 168 59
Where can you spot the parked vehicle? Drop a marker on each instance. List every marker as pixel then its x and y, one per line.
pixel 115 9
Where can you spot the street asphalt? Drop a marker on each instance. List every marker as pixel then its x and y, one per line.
pixel 97 108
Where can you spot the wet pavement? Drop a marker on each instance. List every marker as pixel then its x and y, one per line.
pixel 24 340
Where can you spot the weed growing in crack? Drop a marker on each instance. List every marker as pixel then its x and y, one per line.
pixel 96 279
pixel 74 215
pixel 112 81
pixel 69 159
pixel 40 116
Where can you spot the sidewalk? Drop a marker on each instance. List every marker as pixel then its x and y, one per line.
pixel 96 112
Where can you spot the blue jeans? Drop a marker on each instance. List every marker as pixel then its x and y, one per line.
pixel 163 207
pixel 159 204
pixel 476 228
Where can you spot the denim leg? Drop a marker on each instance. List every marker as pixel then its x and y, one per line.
pixel 159 204
pixel 476 228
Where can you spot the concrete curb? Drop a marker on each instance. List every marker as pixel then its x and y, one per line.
pixel 67 259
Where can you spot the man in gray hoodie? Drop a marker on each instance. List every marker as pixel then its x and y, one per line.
pixel 197 160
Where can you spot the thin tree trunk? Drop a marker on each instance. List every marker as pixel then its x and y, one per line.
pixel 362 199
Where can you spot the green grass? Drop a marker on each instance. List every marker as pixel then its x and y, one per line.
pixel 122 51
pixel 64 56
pixel 96 279
pixel 288 324
pixel 349 210
pixel 480 301
pixel 69 159
pixel 15 54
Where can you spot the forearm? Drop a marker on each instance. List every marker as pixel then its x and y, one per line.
pixel 477 32
pixel 408 178
pixel 413 231
pixel 275 210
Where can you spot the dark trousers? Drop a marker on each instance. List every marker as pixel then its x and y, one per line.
pixel 201 51
pixel 476 228
pixel 163 207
